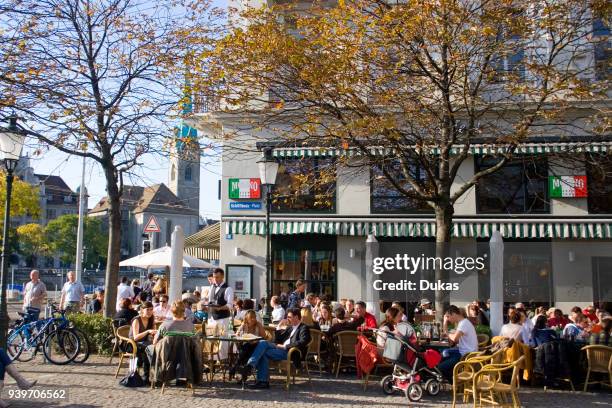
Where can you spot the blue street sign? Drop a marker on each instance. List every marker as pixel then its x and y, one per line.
pixel 249 205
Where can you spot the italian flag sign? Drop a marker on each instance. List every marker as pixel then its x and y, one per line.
pixel 567 186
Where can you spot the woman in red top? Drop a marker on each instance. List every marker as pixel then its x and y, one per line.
pixel 558 320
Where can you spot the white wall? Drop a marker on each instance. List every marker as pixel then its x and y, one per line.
pixel 350 275
pixel 573 281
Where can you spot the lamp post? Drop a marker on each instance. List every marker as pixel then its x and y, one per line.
pixel 11 143
pixel 268 168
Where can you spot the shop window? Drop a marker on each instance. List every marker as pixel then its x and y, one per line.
pixel 305 185
pixel 384 196
pixel 528 274
pixel 307 257
pixel 599 185
pixel 519 187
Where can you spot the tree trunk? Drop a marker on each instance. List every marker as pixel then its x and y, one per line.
pixel 114 242
pixel 444 222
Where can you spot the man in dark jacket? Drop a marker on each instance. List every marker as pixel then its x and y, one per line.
pixel 296 334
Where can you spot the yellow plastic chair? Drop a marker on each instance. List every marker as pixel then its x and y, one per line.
pixel 465 370
pixel 483 340
pixel 599 359
pixel 489 388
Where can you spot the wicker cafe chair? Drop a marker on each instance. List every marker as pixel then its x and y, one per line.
pixel 483 340
pixel 465 370
pixel 599 359
pixel 489 388
pixel 345 346
pixel 122 334
pixel 289 368
pixel 211 358
pixel 314 349
pixel 115 324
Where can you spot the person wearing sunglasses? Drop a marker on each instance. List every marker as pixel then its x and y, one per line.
pixel 162 310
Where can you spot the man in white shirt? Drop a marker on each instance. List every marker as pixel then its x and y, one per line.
pixel 464 337
pixel 124 291
pixel 73 295
pixel 221 300
pixel 34 294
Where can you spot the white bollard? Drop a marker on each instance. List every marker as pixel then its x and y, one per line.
pixel 496 270
pixel 176 264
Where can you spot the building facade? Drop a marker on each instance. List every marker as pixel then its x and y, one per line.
pixel 138 205
pixel 560 242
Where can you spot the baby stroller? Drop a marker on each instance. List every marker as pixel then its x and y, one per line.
pixel 413 369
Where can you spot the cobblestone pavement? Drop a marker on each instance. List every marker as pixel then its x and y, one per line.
pixel 93 384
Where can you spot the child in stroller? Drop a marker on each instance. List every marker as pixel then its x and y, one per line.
pixel 413 369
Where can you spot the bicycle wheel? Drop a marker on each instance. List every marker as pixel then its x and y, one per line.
pixel 15 344
pixel 61 346
pixel 84 346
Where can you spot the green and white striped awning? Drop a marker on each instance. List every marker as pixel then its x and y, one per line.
pixel 477 149
pixel 533 230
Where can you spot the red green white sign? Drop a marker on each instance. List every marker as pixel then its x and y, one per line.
pixel 567 186
pixel 244 188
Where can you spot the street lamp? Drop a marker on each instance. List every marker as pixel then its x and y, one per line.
pixel 11 143
pixel 268 167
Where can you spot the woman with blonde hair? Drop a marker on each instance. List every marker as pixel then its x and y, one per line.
pixel 161 286
pixel 308 319
pixel 250 325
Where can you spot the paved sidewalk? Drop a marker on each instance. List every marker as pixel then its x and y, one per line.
pixel 93 385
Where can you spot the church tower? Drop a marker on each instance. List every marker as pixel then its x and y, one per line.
pixel 184 177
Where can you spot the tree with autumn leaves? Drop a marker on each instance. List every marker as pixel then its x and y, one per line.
pixel 411 86
pixel 100 79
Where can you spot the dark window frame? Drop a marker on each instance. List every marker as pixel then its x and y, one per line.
pixel 523 160
pixel 277 208
pixel 593 193
pixel 310 242
pixel 425 210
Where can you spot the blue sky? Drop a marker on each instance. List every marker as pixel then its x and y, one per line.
pixel 154 170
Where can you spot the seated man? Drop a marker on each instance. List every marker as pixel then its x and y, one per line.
pixel 464 337
pixel 296 334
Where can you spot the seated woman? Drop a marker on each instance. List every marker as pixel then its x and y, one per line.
pixel 325 316
pixel 179 322
pixel 250 325
pixel 142 332
pixel 340 316
pixel 392 318
pixel 558 320
pixel 126 312
pixel 577 328
pixel 239 309
pixel 513 328
pixel 541 333
pixel 308 319
pixel 7 366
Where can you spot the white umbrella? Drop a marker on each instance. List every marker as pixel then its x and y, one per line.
pixel 160 257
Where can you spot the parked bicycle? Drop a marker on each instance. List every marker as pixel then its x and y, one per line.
pixel 60 342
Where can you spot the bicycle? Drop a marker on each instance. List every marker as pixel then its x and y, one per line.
pixel 60 344
pixel 84 344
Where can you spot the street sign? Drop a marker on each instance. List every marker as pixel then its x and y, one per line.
pixel 244 188
pixel 152 225
pixel 567 186
pixel 249 205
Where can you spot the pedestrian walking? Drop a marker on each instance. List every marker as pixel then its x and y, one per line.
pixel 34 295
pixel 73 295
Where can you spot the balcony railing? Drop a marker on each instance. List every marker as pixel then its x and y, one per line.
pixel 203 103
